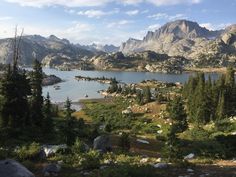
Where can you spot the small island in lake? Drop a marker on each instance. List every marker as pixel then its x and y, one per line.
pixel 51 80
pixel 102 80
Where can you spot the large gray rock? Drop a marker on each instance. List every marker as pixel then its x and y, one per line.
pixel 51 169
pixel 102 143
pixel 12 168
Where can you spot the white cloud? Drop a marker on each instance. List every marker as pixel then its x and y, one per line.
pixel 177 16
pixel 132 12
pixel 79 27
pixel 159 16
pixel 145 11
pixel 119 23
pixel 211 26
pixel 5 18
pixel 86 3
pixel 71 3
pixel 92 13
pixel 223 25
pixel 153 27
pixel 172 2
pixel 77 32
pixel 130 2
pixel 97 13
pixel 70 11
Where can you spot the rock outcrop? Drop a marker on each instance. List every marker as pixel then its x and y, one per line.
pixel 12 168
pixel 189 40
pixel 102 143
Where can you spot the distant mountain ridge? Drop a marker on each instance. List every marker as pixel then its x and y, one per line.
pixel 184 41
pixel 183 38
pixel 41 48
pixel 100 48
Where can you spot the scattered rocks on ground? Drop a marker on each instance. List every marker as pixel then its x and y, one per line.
pixel 103 167
pixel 51 169
pixel 160 165
pixel 50 150
pixel 189 157
pixel 190 170
pixel 144 160
pixel 12 168
pixel 158 160
pixel 142 141
pixel 102 143
pixel 127 111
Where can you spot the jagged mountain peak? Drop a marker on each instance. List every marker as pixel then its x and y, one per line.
pixel 182 29
pixel 54 38
pixel 179 37
pixel 96 47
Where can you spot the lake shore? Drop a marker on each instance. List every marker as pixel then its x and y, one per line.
pixel 206 70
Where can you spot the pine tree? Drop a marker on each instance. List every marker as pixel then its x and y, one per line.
pixel 113 86
pixel 177 113
pixel 37 98
pixel 220 110
pixel 230 94
pixel 139 97
pixel 68 129
pixel 230 79
pixel 147 95
pixel 48 122
pixel 15 90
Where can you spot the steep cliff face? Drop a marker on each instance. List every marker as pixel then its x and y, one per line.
pixel 184 38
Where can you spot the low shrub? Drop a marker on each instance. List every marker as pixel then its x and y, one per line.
pixel 91 160
pixel 128 171
pixel 78 147
pixel 28 152
pixel 124 141
pixel 229 143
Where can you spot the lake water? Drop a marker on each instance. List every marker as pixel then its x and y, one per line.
pixel 77 90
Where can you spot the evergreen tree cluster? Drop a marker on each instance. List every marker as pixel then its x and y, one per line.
pixel 23 107
pixel 144 96
pixel 208 100
pixel 178 115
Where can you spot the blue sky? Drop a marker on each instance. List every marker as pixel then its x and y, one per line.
pixel 108 21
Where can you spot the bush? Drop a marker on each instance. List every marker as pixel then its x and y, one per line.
pixel 4 153
pixel 128 171
pixel 124 141
pixel 28 152
pixel 225 126
pixel 78 147
pixel 229 142
pixel 91 160
pixel 196 134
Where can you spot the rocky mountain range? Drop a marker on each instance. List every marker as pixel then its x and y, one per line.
pixel 100 48
pixel 187 39
pixel 44 49
pixel 180 43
